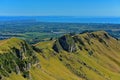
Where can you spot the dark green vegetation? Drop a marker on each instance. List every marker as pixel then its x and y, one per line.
pixel 16 56
pixel 34 32
pixel 86 56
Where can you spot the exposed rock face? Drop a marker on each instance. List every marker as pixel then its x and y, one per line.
pixel 57 47
pixel 18 58
pixel 66 43
pixel 17 69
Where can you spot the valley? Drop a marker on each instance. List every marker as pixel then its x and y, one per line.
pixel 34 31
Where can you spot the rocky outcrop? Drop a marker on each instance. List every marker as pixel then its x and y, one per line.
pixel 71 43
pixel 66 43
pixel 18 57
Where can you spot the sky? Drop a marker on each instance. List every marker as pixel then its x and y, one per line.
pixel 86 8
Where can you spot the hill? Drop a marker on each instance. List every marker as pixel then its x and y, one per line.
pixel 16 56
pixel 86 56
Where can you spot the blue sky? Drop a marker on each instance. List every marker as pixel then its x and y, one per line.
pixel 86 8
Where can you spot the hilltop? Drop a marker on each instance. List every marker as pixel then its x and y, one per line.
pixel 86 56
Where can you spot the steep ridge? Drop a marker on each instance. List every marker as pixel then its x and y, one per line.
pixel 16 56
pixel 86 56
pixel 18 61
pixel 97 54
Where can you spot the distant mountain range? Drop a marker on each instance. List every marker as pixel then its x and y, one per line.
pixel 69 19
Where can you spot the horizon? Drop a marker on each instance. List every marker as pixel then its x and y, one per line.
pixel 63 19
pixel 59 16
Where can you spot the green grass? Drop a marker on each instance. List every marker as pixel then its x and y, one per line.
pixel 102 64
pixel 14 76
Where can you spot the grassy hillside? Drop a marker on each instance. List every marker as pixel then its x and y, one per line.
pixel 87 56
pixel 97 55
